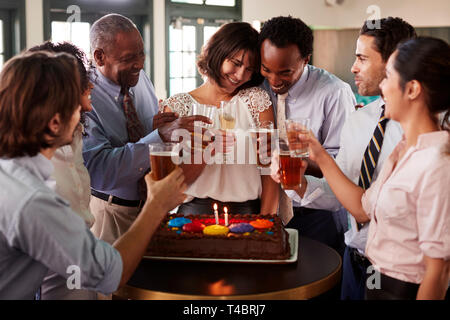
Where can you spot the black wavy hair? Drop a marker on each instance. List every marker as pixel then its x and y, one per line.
pixel 284 31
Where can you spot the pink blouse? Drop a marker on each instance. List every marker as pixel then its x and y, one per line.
pixel 409 209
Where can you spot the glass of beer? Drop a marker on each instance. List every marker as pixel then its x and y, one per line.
pixel 295 127
pixel 262 135
pixel 164 158
pixel 289 167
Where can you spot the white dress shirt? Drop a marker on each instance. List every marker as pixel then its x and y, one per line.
pixel 326 100
pixel 355 137
pixel 322 97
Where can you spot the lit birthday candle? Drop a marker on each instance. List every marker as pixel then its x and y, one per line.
pixel 226 216
pixel 216 213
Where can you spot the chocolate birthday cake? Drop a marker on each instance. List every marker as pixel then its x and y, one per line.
pixel 199 236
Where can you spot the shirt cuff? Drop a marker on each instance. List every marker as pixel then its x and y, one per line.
pixel 435 250
pixel 312 192
pixel 152 137
pixel 113 275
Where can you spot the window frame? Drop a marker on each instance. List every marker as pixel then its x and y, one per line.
pixel 12 13
pixel 209 13
pixel 141 12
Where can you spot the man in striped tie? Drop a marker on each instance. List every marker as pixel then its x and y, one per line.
pixel 367 139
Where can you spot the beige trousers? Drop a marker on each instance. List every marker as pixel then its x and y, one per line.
pixel 111 220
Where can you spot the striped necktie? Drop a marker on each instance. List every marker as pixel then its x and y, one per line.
pixel 370 158
pixel 372 153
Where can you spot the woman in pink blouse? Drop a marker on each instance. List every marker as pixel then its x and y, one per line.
pixel 408 206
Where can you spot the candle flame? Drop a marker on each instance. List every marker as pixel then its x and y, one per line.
pixel 215 206
pixel 225 209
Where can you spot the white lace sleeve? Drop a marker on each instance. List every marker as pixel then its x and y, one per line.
pixel 257 101
pixel 180 103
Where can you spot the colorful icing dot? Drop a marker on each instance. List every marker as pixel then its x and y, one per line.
pixel 269 232
pixel 179 232
pixel 178 222
pixel 261 224
pixel 241 228
pixel 174 229
pixel 247 234
pixel 194 226
pixel 215 230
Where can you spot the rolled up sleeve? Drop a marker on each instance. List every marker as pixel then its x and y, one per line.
pixel 433 213
pixel 52 234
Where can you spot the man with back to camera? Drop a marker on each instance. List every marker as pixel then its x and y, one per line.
pixel 123 122
pixel 39 232
pixel 300 90
pixel 373 48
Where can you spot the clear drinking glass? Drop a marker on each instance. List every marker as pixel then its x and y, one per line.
pixel 204 110
pixel 227 114
pixel 295 127
pixel 262 134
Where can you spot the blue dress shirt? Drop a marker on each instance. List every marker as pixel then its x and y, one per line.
pixel 114 164
pixel 39 232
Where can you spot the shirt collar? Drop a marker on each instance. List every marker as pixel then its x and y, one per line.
pixel 109 86
pixel 431 139
pixel 298 87
pixel 38 165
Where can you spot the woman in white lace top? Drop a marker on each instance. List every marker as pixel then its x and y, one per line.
pixel 229 63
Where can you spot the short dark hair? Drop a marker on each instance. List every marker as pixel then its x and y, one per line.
pixel 34 87
pixel 388 33
pixel 426 60
pixel 225 43
pixel 284 31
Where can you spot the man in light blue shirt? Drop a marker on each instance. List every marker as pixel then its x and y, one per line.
pixel 117 164
pixel 38 230
pixel 308 92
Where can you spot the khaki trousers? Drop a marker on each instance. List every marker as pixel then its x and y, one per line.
pixel 111 220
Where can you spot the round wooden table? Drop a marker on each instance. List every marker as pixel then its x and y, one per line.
pixel 317 270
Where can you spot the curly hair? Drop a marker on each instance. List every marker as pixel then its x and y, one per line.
pixel 84 66
pixel 73 50
pixel 224 44
pixel 284 31
pixel 388 33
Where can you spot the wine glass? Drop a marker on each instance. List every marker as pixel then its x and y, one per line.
pixel 227 115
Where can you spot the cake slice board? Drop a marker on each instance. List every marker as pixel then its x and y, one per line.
pixel 293 243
